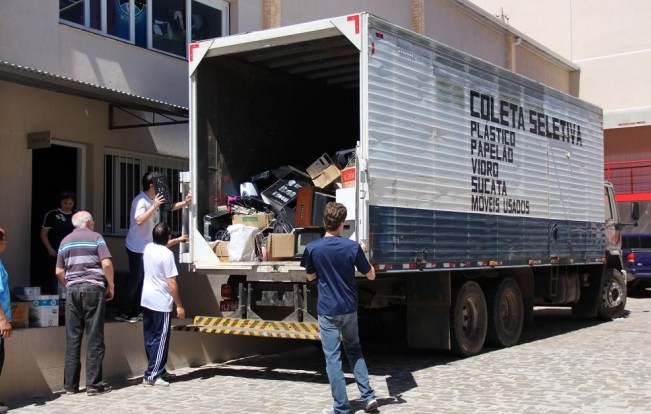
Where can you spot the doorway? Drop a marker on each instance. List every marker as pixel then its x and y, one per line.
pixel 54 170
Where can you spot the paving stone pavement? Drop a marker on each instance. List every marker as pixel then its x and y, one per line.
pixel 563 365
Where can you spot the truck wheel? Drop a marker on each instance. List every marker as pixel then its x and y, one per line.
pixel 612 295
pixel 505 313
pixel 468 319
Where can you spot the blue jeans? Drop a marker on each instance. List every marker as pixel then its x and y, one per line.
pixel 334 327
pixel 85 308
pixel 2 354
pixel 129 296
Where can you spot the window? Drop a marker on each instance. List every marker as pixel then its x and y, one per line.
pixel 164 25
pixel 636 241
pixel 122 176
pixel 119 20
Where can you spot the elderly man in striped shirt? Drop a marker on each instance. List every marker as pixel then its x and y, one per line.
pixel 85 268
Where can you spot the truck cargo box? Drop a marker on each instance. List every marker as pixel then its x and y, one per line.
pixel 478 192
pixel 459 163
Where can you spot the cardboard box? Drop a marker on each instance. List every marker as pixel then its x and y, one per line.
pixel 20 315
pixel 280 246
pixel 260 220
pixel 318 166
pixel 43 310
pixel 348 177
pixel 327 177
pixel 27 290
pixel 221 250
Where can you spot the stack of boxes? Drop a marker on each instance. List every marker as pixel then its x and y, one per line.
pixel 43 309
pixel 280 200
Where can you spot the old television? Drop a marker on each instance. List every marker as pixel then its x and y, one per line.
pixel 310 206
pixel 304 235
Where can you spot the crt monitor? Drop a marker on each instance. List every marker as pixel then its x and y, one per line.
pixel 304 235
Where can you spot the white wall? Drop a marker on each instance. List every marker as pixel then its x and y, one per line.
pixel 609 39
pixel 298 11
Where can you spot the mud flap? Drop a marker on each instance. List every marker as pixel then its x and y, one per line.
pixel 428 310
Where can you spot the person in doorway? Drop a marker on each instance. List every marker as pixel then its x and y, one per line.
pixel 57 224
pixel 85 268
pixel 145 214
pixel 332 260
pixel 5 309
pixel 160 292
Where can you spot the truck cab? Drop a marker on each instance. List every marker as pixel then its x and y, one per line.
pixel 636 253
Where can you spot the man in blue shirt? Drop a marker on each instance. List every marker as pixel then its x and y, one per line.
pixel 5 308
pixel 332 261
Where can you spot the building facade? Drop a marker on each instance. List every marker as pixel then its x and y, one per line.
pixel 95 96
pixel 95 93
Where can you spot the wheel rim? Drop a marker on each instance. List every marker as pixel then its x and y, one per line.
pixel 468 319
pixel 469 322
pixel 506 313
pixel 612 294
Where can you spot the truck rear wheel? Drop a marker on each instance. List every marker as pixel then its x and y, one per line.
pixel 505 313
pixel 468 319
pixel 612 295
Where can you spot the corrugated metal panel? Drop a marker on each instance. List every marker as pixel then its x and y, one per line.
pixel 40 79
pixel 427 150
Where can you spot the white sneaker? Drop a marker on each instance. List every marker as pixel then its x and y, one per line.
pixel 158 382
pixel 371 406
pixel 126 318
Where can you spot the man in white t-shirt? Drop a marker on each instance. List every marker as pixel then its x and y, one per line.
pixel 145 214
pixel 159 293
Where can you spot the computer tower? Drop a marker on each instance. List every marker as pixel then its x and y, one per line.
pixel 310 206
pixel 160 184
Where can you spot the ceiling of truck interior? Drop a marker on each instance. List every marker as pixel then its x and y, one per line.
pixel 333 60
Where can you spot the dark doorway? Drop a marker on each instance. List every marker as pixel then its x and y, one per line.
pixel 54 169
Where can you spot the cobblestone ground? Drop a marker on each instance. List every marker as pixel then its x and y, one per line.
pixel 563 365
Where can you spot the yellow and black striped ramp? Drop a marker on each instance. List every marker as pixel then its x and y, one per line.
pixel 253 327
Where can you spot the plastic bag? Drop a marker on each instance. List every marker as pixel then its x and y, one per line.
pixel 242 245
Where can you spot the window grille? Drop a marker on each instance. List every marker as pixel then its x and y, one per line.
pixel 631 179
pixel 123 173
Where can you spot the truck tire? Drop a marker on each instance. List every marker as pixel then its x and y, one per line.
pixel 505 313
pixel 468 319
pixel 612 296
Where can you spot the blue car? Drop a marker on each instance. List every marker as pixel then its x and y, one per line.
pixel 636 254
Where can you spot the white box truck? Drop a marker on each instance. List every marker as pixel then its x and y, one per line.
pixel 478 192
